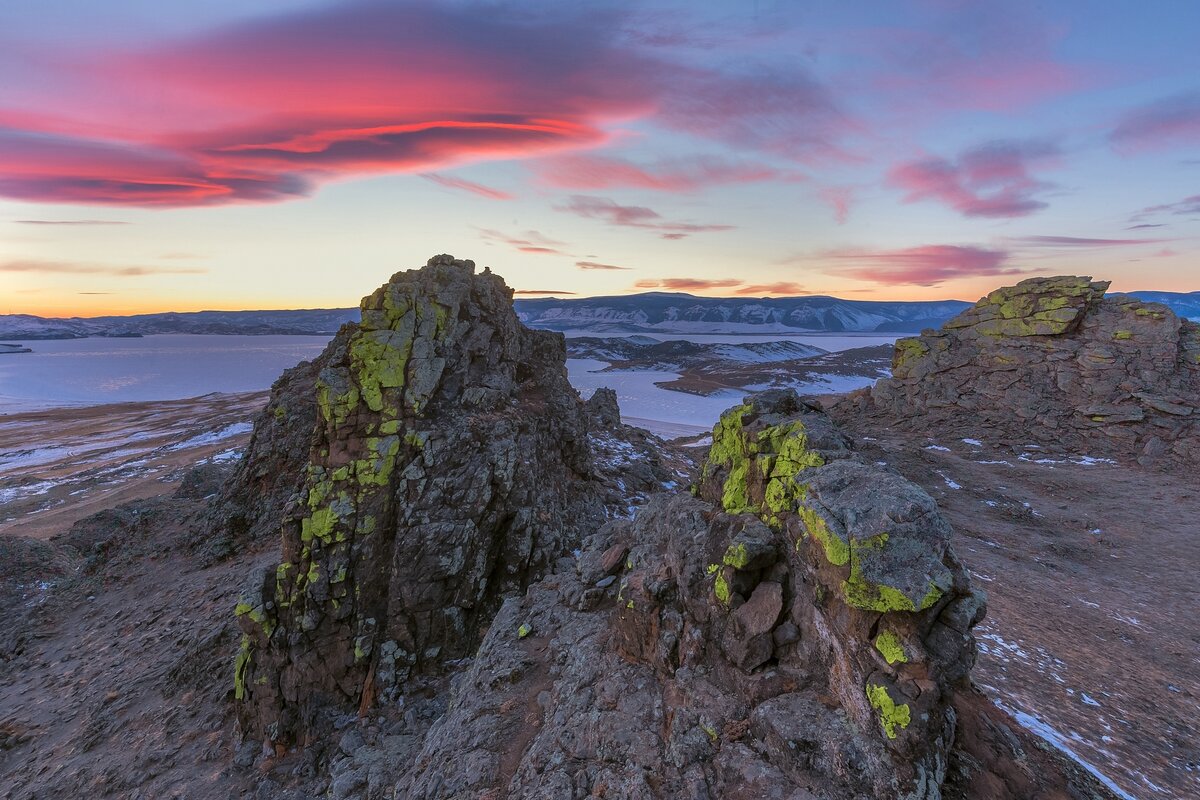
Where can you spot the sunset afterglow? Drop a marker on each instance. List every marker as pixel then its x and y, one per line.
pixel 215 157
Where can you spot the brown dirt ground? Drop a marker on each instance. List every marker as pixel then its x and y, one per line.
pixel 1093 623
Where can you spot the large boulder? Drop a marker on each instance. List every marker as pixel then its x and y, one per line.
pixel 446 466
pixel 1052 361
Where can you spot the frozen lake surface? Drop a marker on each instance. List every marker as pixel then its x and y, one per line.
pixel 77 372
pixel 68 372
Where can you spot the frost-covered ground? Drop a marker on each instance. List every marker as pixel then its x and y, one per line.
pixel 60 465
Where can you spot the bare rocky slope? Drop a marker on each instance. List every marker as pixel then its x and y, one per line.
pixel 488 588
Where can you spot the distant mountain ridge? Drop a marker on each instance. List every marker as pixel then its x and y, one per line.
pixel 664 312
pixel 304 322
pixel 649 312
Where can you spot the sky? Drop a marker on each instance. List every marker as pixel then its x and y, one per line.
pixel 294 154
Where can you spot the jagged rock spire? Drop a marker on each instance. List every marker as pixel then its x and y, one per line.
pixel 448 466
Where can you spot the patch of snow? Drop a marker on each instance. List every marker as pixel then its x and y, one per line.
pixel 212 437
pixel 1088 699
pixel 972 442
pixel 1059 742
pixel 950 482
pixel 991 503
pixel 29 490
pixel 232 454
pixel 937 447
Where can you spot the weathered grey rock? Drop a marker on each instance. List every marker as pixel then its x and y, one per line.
pixel 1051 361
pixel 447 467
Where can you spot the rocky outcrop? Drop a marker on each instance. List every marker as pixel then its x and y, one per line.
pixel 446 466
pixel 695 653
pixel 1053 361
pixel 464 543
pixel 804 645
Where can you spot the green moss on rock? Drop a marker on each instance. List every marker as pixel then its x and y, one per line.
pixel 892 716
pixel 890 646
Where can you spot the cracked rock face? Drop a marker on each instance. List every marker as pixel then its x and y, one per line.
pixel 732 657
pixel 447 466
pixel 1053 361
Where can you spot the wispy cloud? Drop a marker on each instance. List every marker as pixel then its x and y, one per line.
pixel 777 288
pixel 80 222
pixel 80 268
pixel 614 213
pixel 467 186
pixel 840 199
pixel 598 265
pixel 1075 241
pixel 531 242
pixel 667 175
pixel 1186 206
pixel 687 284
pixel 1171 121
pixel 992 180
pixel 928 265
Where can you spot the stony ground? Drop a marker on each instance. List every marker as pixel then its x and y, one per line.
pixel 114 637
pixel 1093 608
pixel 1093 626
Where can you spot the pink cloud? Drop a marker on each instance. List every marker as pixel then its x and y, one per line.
pixel 1169 122
pixel 272 108
pixel 840 199
pixel 777 288
pixel 992 180
pixel 581 171
pixel 530 242
pixel 293 101
pixel 687 284
pixel 634 217
pixel 928 265
pixel 467 186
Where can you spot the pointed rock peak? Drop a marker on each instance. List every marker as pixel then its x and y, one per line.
pixel 447 467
